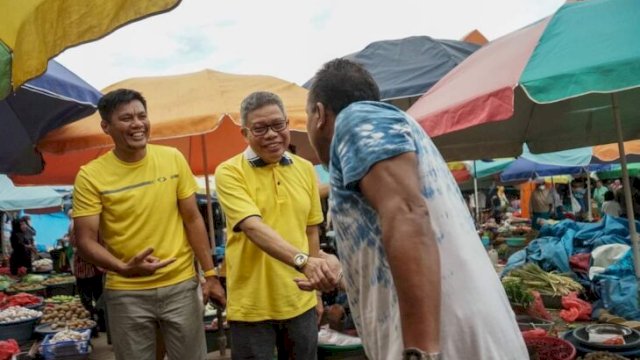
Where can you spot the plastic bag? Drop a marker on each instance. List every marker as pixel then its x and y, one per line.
pixel 8 348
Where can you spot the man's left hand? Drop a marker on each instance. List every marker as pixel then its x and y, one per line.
pixel 211 289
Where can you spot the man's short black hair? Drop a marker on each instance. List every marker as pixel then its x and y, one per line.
pixel 110 101
pixel 341 82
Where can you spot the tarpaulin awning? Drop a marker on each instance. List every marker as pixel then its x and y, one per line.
pixel 27 197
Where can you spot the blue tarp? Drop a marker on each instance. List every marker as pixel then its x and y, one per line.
pixel 616 287
pixel 27 197
pixel 409 67
pixel 48 102
pixel 50 227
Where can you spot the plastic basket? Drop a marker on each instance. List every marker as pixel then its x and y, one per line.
pixel 66 349
pixel 516 241
pixel 21 330
pixel 550 348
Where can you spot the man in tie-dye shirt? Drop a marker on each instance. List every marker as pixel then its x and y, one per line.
pixel 419 282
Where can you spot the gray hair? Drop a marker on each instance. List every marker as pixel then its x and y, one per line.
pixel 255 101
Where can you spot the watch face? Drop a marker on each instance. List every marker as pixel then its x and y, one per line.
pixel 300 259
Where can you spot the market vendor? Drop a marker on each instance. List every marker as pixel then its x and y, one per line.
pixel 541 204
pixel 21 245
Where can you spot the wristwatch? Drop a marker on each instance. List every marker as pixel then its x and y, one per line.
pixel 300 260
pixel 417 354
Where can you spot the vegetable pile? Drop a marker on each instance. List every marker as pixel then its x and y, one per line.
pixel 20 299
pixel 71 315
pixel 17 313
pixel 546 283
pixel 67 335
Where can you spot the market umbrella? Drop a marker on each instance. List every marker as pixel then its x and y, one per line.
pixel 50 101
pixel 404 69
pixel 567 81
pixel 34 31
pixel 197 113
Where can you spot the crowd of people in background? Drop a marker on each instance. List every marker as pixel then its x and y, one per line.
pixel 558 201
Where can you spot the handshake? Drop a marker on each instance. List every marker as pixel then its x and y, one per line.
pixel 324 273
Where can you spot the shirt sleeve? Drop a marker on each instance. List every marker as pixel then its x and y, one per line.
pixel 86 197
pixel 366 135
pixel 187 184
pixel 234 196
pixel 315 214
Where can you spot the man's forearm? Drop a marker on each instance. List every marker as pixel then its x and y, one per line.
pixel 414 260
pixel 314 240
pixel 99 256
pixel 269 241
pixel 197 235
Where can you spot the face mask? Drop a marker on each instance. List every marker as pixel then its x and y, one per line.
pixel 541 187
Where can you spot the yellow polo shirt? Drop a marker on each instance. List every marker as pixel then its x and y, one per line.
pixel 286 197
pixel 137 204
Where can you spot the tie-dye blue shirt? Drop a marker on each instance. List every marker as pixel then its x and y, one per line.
pixel 477 321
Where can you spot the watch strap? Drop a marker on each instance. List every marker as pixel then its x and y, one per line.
pixel 413 353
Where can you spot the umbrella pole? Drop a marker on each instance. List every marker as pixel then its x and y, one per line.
pixel 589 209
pixel 475 193
pixel 626 186
pixel 205 164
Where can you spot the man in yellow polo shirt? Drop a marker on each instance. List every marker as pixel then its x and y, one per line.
pixel 141 199
pixel 271 201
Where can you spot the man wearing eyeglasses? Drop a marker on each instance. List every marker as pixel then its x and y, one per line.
pixel 271 201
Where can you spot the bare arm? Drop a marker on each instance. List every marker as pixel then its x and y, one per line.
pixel 196 231
pixel 86 237
pixel 313 235
pixel 197 237
pixel 392 187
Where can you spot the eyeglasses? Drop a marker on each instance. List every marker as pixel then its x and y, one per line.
pixel 261 130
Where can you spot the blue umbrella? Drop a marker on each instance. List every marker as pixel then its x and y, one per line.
pixel 407 68
pixel 48 102
pixel 568 162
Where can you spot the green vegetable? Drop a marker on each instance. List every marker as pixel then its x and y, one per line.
pixel 546 283
pixel 517 293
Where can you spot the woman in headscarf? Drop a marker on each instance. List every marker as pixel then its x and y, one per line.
pixel 22 248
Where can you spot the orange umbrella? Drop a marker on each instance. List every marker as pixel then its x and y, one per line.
pixel 197 113
pixel 184 110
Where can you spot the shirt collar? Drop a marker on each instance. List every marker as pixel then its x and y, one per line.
pixel 256 161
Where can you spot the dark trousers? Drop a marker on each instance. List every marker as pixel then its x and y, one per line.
pixel 295 338
pixel 18 260
pixel 90 290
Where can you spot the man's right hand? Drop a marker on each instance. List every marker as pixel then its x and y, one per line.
pixel 319 274
pixel 144 264
pixel 334 274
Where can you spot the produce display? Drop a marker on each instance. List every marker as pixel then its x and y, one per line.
pixel 42 265
pixel 58 299
pixel 5 282
pixel 59 280
pixel 18 313
pixel 67 335
pixel 33 279
pixel 70 315
pixel 546 283
pixel 20 299
pixel 24 287
pixel 517 293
